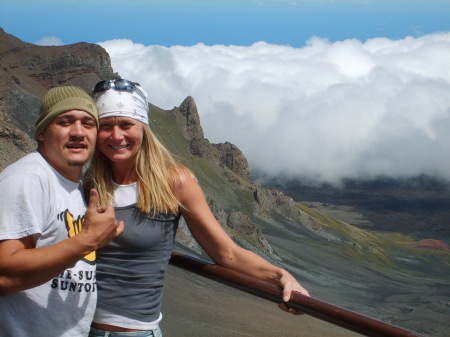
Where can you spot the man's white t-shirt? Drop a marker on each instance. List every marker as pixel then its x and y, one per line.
pixel 36 200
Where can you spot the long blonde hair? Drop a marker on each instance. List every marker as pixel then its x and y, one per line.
pixel 156 170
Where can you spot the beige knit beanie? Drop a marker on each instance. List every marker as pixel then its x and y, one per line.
pixel 62 99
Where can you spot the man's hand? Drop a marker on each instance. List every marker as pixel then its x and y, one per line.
pixel 100 225
pixel 22 266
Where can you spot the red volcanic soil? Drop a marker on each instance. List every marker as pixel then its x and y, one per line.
pixel 432 243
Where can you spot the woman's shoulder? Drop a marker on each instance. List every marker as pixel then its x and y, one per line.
pixel 179 172
pixel 180 176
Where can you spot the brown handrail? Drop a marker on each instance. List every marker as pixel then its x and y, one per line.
pixel 308 305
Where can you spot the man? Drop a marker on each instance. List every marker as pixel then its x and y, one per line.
pixel 48 238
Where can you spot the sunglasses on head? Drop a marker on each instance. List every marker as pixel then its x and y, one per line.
pixel 120 84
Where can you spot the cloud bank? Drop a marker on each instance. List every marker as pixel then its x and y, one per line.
pixel 326 111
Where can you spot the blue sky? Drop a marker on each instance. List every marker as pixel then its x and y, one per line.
pixel 242 22
pixel 317 90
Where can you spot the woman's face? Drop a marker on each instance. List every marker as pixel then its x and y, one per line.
pixel 119 138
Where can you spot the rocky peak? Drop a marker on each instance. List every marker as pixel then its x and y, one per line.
pixel 225 155
pixel 194 132
pixel 233 158
pixel 36 68
pixel 189 110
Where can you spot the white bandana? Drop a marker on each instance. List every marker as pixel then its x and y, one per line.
pixel 113 103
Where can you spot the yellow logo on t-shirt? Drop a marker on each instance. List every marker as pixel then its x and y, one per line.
pixel 74 227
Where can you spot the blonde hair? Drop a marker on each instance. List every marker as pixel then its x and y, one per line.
pixel 156 170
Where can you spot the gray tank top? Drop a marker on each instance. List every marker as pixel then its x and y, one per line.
pixel 130 269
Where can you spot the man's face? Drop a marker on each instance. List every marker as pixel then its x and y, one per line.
pixel 68 142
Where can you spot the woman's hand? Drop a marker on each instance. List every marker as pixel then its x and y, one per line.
pixel 289 284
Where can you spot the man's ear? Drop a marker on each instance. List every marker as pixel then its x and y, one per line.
pixel 40 138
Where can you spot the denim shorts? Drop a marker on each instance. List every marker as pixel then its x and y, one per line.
pixel 148 333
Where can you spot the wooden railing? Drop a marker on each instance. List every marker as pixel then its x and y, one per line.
pixel 330 313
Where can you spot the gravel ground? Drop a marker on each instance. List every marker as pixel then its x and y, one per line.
pixel 196 306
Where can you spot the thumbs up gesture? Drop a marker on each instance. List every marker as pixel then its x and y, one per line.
pixel 100 225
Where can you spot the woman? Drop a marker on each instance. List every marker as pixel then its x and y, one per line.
pixel 133 171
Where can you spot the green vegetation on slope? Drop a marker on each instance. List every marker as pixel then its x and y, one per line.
pixel 390 250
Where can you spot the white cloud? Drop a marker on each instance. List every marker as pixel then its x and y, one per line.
pixel 325 111
pixel 49 41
